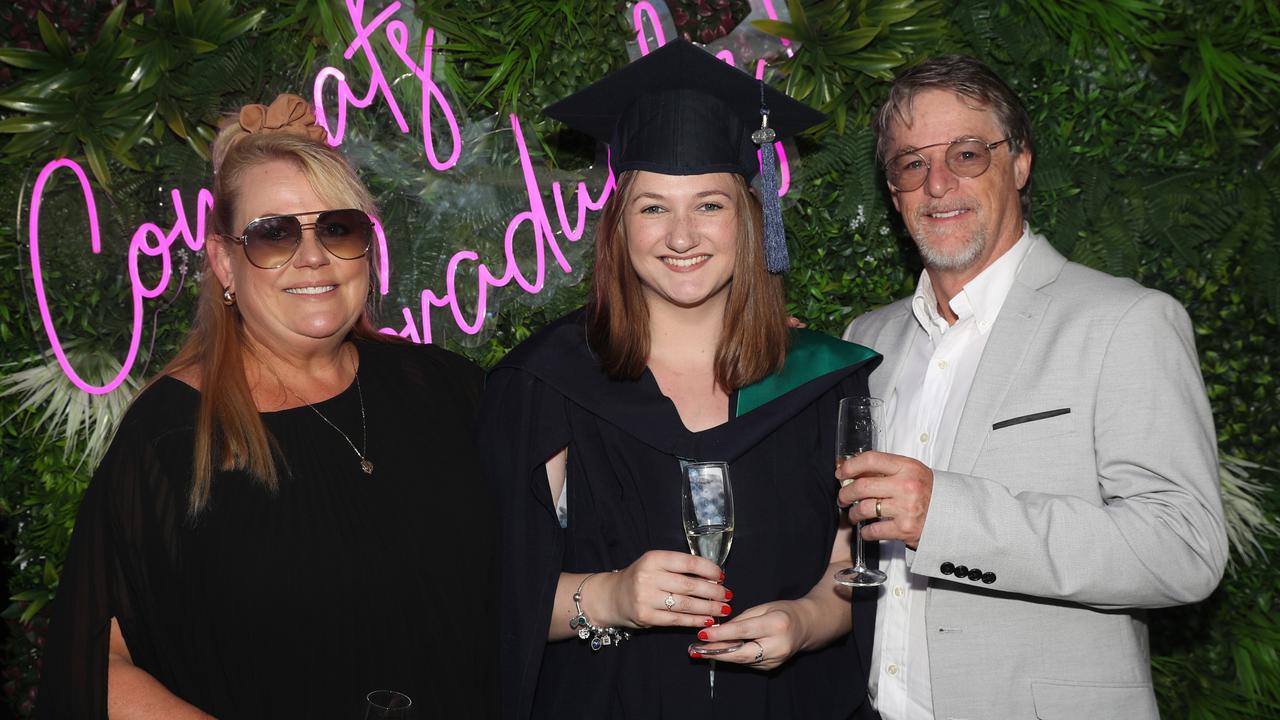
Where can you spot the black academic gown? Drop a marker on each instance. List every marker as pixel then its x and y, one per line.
pixel 625 441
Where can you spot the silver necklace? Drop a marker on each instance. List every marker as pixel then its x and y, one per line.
pixel 365 463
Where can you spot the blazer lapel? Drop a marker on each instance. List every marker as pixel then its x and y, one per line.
pixel 892 342
pixel 1011 338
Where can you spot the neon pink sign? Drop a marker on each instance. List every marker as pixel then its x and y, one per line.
pixel 152 241
pixel 544 242
pixel 398 35
pixel 138 246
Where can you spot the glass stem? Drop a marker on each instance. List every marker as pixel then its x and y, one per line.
pixel 858 563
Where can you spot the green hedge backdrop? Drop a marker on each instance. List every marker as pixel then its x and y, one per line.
pixel 1157 137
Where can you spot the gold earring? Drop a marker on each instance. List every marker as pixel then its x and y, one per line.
pixel 228 297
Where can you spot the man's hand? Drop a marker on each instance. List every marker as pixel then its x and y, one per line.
pixel 901 485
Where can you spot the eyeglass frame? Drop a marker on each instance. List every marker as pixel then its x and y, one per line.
pixel 929 166
pixel 243 239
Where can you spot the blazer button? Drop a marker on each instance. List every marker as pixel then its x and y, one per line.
pixel 975 574
pixel 988 578
pixel 961 571
pixel 947 568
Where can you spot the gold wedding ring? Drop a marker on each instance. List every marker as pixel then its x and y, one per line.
pixel 878 515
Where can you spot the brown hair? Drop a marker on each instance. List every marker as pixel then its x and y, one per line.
pixel 754 339
pixel 968 78
pixel 229 433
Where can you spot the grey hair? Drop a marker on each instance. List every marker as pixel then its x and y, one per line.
pixel 970 79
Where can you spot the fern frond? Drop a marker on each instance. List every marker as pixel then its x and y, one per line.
pixel 55 407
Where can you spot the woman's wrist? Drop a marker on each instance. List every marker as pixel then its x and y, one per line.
pixel 823 615
pixel 588 624
pixel 598 600
pixel 806 615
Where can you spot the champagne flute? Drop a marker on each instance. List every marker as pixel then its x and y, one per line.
pixel 859 428
pixel 387 705
pixel 706 504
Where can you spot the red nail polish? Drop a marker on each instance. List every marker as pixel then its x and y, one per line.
pixel 721 576
pixel 725 609
pixel 695 655
pixel 709 622
pixel 728 595
pixel 702 635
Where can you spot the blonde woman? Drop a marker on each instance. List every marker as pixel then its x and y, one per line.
pixel 275 530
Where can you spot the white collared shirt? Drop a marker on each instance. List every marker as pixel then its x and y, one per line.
pixel 923 412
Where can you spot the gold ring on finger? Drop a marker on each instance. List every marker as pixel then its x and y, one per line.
pixel 878 515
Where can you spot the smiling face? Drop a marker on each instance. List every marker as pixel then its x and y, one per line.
pixel 960 224
pixel 315 298
pixel 682 236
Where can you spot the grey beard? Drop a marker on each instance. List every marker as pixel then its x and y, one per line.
pixel 962 260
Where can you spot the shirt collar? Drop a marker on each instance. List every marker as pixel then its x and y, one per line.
pixel 980 299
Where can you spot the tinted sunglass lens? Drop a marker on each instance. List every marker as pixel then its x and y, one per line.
pixel 908 172
pixel 270 242
pixel 968 159
pixel 345 233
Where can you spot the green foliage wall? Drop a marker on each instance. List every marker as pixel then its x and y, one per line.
pixel 1157 143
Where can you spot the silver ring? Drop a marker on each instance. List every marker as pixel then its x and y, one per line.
pixel 670 602
pixel 878 515
pixel 760 655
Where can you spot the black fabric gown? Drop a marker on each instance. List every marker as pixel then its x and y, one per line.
pixel 625 441
pixel 298 604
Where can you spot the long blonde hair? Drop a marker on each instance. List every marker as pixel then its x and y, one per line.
pixel 229 433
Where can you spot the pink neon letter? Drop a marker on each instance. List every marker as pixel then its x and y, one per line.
pixel 377 81
pixel 95 243
pixel 637 21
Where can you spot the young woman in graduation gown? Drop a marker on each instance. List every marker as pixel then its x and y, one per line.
pixel 681 354
pixel 279 526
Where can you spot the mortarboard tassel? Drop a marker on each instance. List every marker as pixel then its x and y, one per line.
pixel 775 236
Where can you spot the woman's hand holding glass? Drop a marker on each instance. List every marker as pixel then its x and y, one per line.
pixel 662 588
pixel 770 632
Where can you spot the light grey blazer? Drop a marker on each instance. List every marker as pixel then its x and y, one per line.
pixel 1082 487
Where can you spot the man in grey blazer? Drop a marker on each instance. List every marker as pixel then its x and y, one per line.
pixel 1051 462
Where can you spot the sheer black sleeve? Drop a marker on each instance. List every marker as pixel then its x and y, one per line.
pixel 124 526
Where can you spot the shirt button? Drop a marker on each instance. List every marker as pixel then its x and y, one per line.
pixel 899 591
pixel 892 669
pixel 924 437
pixel 942 364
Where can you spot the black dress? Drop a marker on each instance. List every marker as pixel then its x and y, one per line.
pixel 296 604
pixel 625 443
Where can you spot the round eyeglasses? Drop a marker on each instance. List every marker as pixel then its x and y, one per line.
pixel 967 158
pixel 270 242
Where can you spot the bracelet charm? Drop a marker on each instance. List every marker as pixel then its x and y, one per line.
pixel 599 636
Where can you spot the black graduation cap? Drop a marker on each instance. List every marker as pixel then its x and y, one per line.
pixel 681 111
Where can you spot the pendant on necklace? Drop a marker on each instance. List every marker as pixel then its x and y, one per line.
pixel 366 466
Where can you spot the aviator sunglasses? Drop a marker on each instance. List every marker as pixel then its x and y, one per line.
pixel 270 242
pixel 967 157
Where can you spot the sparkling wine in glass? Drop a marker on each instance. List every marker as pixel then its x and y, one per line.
pixel 706 504
pixel 859 428
pixel 387 705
